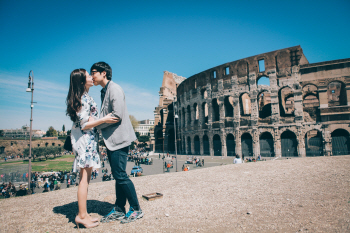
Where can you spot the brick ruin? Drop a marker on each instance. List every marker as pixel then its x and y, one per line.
pixel 274 104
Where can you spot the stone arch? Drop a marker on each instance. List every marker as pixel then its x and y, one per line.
pixel 204 93
pixel 313 143
pixel 217 145
pixel 215 110
pixel 263 80
pixel 205 112
pixel 189 115
pixel 264 104
pixel 228 102
pixel 230 145
pixel 247 145
pixel 340 142
pixel 196 112
pixel 336 94
pixel 310 96
pixel 289 144
pixel 189 152
pixel 206 148
pixel 286 101
pixel 266 145
pixel 245 104
pixel 197 145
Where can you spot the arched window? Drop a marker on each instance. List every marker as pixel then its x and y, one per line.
pixel 313 143
pixel 216 110
pixel 231 145
pixel 217 145
pixel 228 106
pixel 204 94
pixel 196 113
pixel 247 145
pixel 189 115
pixel 206 150
pixel 263 80
pixel 266 145
pixel 286 102
pixel 340 142
pixel 197 145
pixel 245 104
pixel 264 103
pixel 205 112
pixel 289 144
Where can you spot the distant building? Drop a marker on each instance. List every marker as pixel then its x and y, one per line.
pixel 164 114
pixel 22 133
pixel 144 127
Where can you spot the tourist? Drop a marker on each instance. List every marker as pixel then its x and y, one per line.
pixel 82 110
pixel 237 159
pixel 168 167
pixel 117 138
pixel 52 185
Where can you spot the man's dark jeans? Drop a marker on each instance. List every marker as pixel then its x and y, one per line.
pixel 124 188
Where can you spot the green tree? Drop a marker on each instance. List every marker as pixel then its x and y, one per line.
pixel 1 132
pixel 137 134
pixel 51 132
pixel 134 122
pixel 63 128
pixel 143 138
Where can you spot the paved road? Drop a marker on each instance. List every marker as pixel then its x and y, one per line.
pixel 157 166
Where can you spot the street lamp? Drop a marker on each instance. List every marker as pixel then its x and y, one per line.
pixel 163 150
pixel 30 89
pixel 175 117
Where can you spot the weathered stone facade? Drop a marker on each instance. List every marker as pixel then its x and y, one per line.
pixel 163 114
pixel 273 104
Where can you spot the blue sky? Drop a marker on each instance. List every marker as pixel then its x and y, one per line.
pixel 142 39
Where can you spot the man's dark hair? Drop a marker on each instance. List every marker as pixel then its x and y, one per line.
pixel 102 66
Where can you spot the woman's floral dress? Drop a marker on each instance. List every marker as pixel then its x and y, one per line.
pixel 85 142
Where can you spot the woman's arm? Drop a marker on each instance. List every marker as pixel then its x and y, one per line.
pixel 106 119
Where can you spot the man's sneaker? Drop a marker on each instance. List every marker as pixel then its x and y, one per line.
pixel 132 215
pixel 113 215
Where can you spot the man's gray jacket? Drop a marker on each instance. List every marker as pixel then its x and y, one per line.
pixel 119 135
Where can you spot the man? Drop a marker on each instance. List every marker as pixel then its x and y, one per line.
pixel 117 138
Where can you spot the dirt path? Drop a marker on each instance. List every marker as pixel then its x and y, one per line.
pixel 307 194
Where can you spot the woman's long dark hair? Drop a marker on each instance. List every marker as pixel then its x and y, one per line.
pixel 76 90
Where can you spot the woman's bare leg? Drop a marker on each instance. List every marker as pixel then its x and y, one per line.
pixel 85 173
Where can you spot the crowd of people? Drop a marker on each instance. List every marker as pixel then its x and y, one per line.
pixel 140 156
pixel 46 181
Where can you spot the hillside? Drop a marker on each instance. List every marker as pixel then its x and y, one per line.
pixel 303 194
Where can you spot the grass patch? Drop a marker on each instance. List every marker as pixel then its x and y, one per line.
pixel 64 162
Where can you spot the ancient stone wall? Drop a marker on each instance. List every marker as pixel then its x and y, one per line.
pixel 272 104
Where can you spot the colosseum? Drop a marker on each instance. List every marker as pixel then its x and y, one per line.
pixel 274 104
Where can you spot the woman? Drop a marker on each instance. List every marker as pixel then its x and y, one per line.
pixel 82 110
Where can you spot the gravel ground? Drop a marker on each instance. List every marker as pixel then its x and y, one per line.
pixel 293 195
